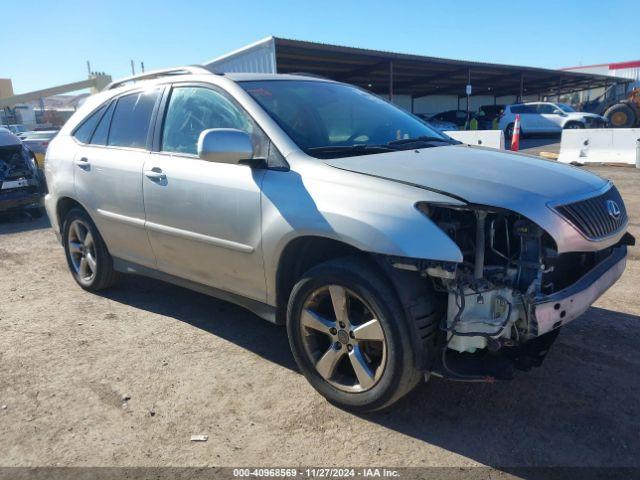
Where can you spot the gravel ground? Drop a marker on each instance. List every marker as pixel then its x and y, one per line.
pixel 126 377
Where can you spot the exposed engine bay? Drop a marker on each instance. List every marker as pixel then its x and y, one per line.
pixel 509 266
pixel 14 163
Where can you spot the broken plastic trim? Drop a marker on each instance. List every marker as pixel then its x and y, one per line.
pixel 434 268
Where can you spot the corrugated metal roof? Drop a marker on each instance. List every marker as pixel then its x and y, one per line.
pixel 416 75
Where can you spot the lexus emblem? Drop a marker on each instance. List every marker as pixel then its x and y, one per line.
pixel 613 209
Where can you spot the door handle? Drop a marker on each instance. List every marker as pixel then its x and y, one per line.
pixel 83 163
pixel 155 174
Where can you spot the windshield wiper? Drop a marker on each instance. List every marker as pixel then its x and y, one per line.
pixel 422 139
pixel 361 148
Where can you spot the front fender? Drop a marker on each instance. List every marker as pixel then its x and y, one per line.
pixel 372 215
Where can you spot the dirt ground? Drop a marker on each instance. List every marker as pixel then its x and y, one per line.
pixel 126 377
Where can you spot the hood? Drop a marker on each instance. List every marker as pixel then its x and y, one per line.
pixel 521 183
pixel 579 115
pixel 478 175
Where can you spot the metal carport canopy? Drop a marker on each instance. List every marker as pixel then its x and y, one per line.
pixel 398 73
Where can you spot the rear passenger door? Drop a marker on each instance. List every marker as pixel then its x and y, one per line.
pixel 204 218
pixel 108 172
pixel 528 117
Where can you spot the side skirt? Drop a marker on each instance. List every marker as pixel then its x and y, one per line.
pixel 263 310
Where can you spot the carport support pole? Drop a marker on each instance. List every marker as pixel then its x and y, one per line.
pixel 467 125
pixel 391 81
pixel 559 90
pixel 521 88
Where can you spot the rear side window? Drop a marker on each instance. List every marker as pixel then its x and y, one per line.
pixel 85 131
pixel 131 120
pixel 523 109
pixel 102 131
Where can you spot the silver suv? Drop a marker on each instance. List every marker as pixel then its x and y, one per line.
pixel 391 251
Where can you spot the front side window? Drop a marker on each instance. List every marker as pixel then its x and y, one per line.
pixel 545 108
pixel 131 119
pixel 323 118
pixel 194 109
pixel 566 108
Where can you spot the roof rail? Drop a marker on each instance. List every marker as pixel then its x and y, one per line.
pixel 188 70
pixel 308 74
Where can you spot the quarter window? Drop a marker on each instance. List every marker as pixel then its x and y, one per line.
pixel 102 131
pixel 85 131
pixel 194 109
pixel 131 120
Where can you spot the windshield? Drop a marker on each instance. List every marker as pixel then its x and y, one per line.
pixel 328 119
pixel 566 108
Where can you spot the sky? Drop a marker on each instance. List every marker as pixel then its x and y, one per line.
pixel 48 42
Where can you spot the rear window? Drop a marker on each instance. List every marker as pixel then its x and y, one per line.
pixel 131 120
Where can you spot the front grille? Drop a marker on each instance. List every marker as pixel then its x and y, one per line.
pixel 594 217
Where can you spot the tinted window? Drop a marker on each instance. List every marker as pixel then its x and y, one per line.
pixel 565 107
pixel 546 108
pixel 194 109
pixel 84 132
pixel 102 132
pixel 131 119
pixel 523 109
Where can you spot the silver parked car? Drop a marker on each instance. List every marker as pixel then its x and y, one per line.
pixel 391 251
pixel 38 141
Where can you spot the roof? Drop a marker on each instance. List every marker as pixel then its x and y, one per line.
pixel 612 66
pixel 420 75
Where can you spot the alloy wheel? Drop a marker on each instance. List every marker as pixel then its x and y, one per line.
pixel 343 339
pixel 82 250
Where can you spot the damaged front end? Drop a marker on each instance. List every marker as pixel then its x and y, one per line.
pixel 21 185
pixel 507 299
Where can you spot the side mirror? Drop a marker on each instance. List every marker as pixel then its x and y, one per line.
pixel 225 145
pixel 557 111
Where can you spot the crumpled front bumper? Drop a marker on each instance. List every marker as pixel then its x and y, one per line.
pixel 19 199
pixel 550 312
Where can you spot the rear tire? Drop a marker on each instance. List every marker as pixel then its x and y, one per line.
pixel 388 351
pixel 573 126
pixel 621 115
pixel 508 132
pixel 87 256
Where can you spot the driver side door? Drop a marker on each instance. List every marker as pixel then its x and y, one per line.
pixel 548 119
pixel 204 218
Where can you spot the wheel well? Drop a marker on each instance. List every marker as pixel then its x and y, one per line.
pixel 300 255
pixel 65 204
pixel 573 122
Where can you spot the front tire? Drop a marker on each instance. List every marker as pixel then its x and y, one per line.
pixel 87 255
pixel 621 115
pixel 574 126
pixel 350 337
